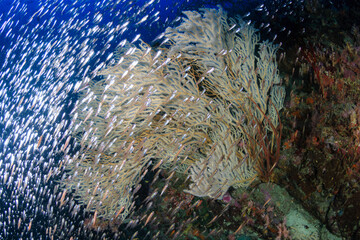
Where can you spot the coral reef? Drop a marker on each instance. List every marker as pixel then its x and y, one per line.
pixel 321 147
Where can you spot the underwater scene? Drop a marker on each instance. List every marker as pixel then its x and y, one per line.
pixel 187 119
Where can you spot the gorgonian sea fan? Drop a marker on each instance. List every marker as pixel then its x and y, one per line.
pixel 193 105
